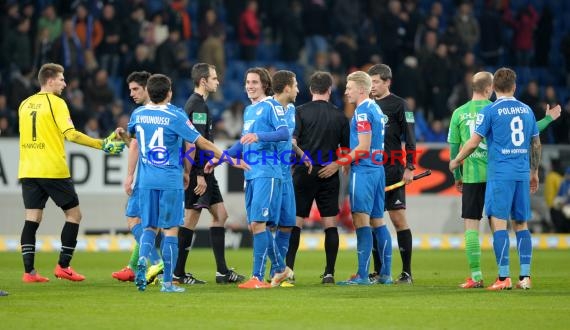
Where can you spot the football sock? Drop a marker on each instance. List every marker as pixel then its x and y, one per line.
pixel 363 248
pixel 68 243
pixel 331 248
pixel 473 252
pixel 169 256
pixel 137 231
pixel 28 242
pixel 501 247
pixel 146 244
pixel 277 263
pixel 134 257
pixel 405 245
pixel 376 255
pixel 218 239
pixel 282 241
pixel 260 245
pixel 293 246
pixel 184 243
pixel 384 248
pixel 524 247
pixel 155 257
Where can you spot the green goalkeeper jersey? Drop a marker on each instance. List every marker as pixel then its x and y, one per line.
pixel 460 129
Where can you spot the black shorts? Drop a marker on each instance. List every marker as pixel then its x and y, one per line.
pixel 394 199
pixel 473 200
pixel 309 187
pixel 36 191
pixel 211 196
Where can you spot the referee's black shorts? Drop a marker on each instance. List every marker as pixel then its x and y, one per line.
pixel 36 191
pixel 211 196
pixel 473 200
pixel 309 187
pixel 394 199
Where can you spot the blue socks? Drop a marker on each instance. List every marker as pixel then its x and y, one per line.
pixel 501 245
pixel 363 249
pixel 282 242
pixel 146 244
pixel 260 245
pixel 384 249
pixel 169 255
pixel 524 247
pixel 137 231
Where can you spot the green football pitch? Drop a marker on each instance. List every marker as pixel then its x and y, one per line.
pixel 434 301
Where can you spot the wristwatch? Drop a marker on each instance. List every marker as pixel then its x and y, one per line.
pixel 410 167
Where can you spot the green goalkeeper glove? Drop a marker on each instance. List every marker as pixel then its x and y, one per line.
pixel 112 146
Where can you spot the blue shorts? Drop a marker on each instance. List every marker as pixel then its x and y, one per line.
pixel 288 209
pixel 263 199
pixel 161 208
pixel 133 205
pixel 508 199
pixel 366 192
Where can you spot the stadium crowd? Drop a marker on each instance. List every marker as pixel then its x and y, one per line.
pixel 434 47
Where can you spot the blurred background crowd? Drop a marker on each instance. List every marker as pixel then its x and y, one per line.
pixel 433 47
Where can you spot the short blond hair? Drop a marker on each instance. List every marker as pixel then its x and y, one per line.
pixel 49 71
pixel 361 79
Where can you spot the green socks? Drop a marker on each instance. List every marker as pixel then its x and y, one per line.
pixel 473 252
pixel 134 257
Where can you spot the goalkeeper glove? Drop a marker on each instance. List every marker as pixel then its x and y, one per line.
pixel 112 146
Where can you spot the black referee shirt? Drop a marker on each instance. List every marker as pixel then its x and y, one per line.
pixel 400 124
pixel 320 128
pixel 199 115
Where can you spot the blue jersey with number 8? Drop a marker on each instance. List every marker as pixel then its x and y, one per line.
pixel 509 126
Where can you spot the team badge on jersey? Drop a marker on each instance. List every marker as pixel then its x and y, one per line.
pixel 199 118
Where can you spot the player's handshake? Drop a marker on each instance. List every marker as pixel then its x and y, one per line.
pixel 111 145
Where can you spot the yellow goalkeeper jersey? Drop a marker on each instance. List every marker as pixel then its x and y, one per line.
pixel 44 118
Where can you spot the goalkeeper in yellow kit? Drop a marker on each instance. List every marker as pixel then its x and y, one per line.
pixel 43 172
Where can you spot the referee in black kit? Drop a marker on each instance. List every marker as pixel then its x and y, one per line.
pixel 320 128
pixel 400 123
pixel 203 191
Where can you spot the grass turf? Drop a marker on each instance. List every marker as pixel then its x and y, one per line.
pixel 434 301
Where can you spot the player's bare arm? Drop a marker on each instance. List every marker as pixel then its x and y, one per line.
pixel 535 149
pixel 467 150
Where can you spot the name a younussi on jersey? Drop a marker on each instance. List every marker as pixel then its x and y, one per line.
pixel 156 120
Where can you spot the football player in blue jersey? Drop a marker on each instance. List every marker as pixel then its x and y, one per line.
pixel 366 172
pixel 286 90
pixel 160 129
pixel 513 158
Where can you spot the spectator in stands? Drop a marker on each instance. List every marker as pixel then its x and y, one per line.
pixel 249 31
pixel 523 26
pixel 292 39
pixel 491 45
pixel 88 29
pixel 108 50
pixel 17 48
pixel 21 84
pixel 73 95
pixel 179 18
pixel 565 49
pixel 562 203
pixel 99 93
pixel 6 128
pixel 9 116
pixel 466 25
pixel 390 33
pixel 156 32
pixel 461 92
pixel 408 81
pixel 43 49
pixel 543 38
pixel 131 31
pixel 437 75
pixel 212 37
pixel 140 61
pixel 69 51
pixel 561 127
pixel 92 128
pixel 316 24
pixel 167 60
pixel 411 18
pixel 436 132
pixel 50 21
